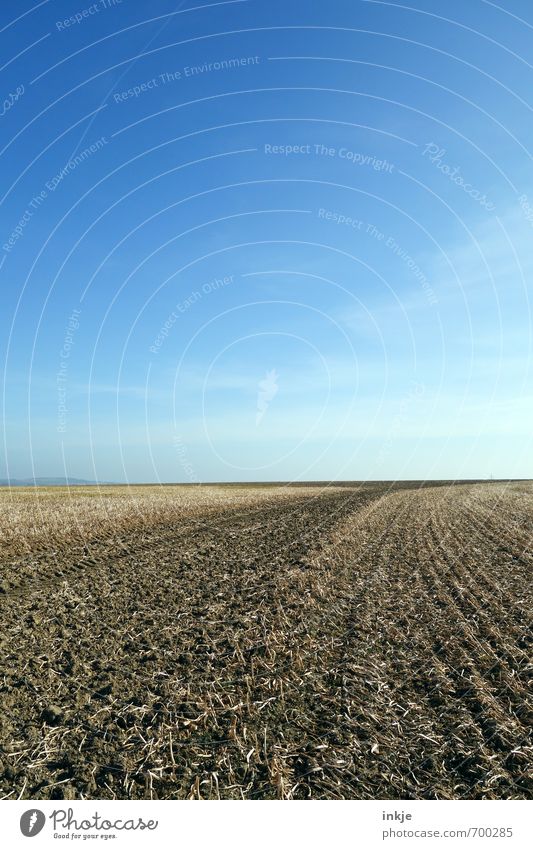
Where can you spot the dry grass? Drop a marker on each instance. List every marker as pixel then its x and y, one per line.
pixel 31 517
pixel 291 643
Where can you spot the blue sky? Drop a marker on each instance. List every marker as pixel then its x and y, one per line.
pixel 251 241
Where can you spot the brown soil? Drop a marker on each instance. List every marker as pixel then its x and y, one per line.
pixel 365 642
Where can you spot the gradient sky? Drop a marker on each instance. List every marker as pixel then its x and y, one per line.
pixel 291 240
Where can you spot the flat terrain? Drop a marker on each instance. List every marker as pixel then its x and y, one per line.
pixel 361 642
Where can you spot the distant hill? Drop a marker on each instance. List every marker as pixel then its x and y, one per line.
pixel 46 482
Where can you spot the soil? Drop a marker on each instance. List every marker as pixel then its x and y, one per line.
pixel 359 642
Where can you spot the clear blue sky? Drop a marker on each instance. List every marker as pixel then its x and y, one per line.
pixel 264 241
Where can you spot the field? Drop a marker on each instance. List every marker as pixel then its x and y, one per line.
pixel 352 642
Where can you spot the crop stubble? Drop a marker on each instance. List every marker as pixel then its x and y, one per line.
pixel 369 641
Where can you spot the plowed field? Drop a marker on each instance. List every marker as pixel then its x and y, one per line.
pixel 355 642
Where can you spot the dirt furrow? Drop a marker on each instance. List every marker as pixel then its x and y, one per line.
pixel 333 644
